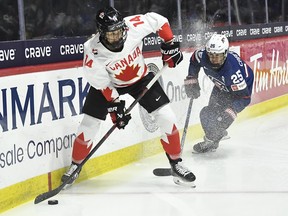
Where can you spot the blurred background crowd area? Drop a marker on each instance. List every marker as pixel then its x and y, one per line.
pixel 38 19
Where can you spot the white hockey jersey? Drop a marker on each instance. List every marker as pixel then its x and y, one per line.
pixel 106 70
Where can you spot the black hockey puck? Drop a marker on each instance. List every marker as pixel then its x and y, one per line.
pixel 52 202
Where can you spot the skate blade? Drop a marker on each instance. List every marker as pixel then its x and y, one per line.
pixel 184 184
pixel 212 150
pixel 225 138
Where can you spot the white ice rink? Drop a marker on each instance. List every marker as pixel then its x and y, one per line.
pixel 247 176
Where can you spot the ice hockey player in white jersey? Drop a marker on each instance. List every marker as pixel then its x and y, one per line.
pixel 114 65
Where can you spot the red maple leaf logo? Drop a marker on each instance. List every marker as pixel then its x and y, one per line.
pixel 173 145
pixel 129 73
pixel 107 93
pixel 80 148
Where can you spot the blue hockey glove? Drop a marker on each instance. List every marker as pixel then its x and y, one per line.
pixel 192 87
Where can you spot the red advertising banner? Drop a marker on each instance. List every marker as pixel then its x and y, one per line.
pixel 268 57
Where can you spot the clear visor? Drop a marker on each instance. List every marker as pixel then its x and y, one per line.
pixel 113 37
pixel 114 40
pixel 216 59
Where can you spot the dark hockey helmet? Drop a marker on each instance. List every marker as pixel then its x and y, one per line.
pixel 112 28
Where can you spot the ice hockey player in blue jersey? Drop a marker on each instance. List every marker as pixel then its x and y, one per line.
pixel 233 82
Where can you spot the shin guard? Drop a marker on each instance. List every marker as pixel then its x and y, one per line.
pixel 84 140
pixel 81 149
pixel 170 138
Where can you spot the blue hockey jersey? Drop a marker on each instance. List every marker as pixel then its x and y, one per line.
pixel 234 77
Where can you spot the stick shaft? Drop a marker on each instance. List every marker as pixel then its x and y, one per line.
pixel 167 171
pixel 52 193
pixel 186 123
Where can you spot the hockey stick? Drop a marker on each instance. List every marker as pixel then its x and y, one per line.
pixel 54 192
pixel 167 171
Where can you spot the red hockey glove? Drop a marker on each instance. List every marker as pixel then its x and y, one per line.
pixel 171 54
pixel 116 110
pixel 192 87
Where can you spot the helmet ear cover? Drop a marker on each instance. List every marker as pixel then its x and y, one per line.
pixel 109 20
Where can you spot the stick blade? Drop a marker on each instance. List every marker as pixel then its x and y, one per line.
pixel 47 195
pixel 162 172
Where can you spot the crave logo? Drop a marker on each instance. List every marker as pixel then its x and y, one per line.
pixel 6 55
pixel 37 52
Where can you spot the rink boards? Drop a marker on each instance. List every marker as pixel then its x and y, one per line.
pixel 41 105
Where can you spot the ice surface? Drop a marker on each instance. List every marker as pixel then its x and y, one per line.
pixel 247 176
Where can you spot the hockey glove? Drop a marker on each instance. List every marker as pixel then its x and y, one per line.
pixel 171 54
pixel 116 111
pixel 192 87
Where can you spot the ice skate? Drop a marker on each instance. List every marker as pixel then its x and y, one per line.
pixel 225 136
pixel 206 146
pixel 182 175
pixel 68 173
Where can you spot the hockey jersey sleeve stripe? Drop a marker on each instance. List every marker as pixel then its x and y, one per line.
pixel 246 70
pixel 165 33
pixel 231 113
pixel 110 94
pixel 196 56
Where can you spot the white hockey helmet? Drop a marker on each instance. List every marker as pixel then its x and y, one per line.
pixel 217 49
